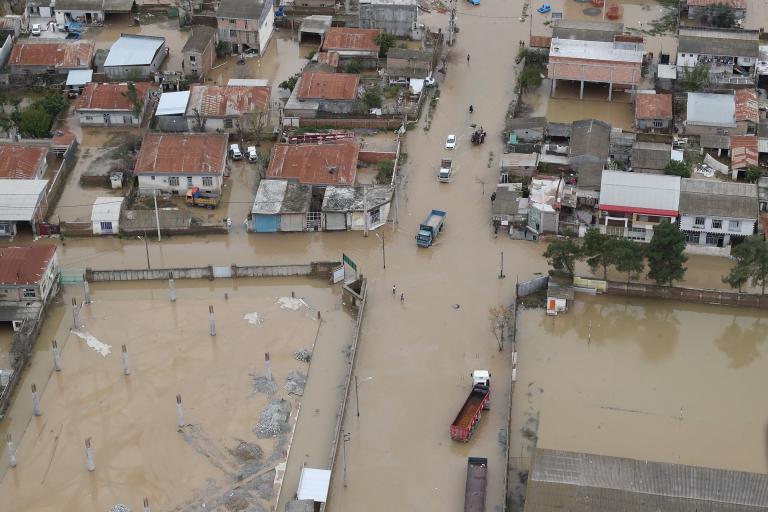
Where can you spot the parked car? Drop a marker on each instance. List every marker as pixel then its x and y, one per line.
pixel 36 29
pixel 253 156
pixel 450 142
pixel 234 152
pixel 429 81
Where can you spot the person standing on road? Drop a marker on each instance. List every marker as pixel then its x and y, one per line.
pixel 394 287
pixel 402 297
pixel 467 57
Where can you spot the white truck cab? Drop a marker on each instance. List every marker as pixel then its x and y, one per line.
pixel 481 377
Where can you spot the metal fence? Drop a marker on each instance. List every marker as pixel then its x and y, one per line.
pixel 532 286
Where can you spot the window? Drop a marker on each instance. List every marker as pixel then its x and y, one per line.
pixel 712 238
pixel 173 181
pixel 189 181
pixel 152 178
pixel 691 237
pixel 717 223
pixel 699 222
pixel 233 33
pixel 375 215
pixel 734 225
pixel 207 181
pixel 232 22
pixel 89 118
pixel 228 123
pixel 29 293
pixel 192 59
pixel 106 227
pixel 658 123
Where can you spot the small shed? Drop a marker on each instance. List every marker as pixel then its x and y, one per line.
pixel 280 205
pixel 77 79
pixel 314 484
pixel 105 215
pixel 651 157
pixel 527 129
pixel 559 294
pixel 170 111
pixel 506 207
pixel 517 164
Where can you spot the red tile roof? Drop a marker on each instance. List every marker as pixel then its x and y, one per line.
pixel 328 86
pixel 736 4
pixel 746 105
pixel 653 106
pixel 110 96
pixel 360 39
pixel 59 55
pixel 24 265
pixel 315 164
pixel 20 162
pixel 743 151
pixel 182 153
pixel 228 100
pixel 540 42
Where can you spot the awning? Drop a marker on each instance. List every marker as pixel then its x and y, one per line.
pixel 313 484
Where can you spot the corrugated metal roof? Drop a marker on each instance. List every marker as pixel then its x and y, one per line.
pixel 24 265
pixel 172 103
pixel 182 153
pixel 313 484
pixel 240 9
pixel 355 39
pixel 730 43
pixel 327 163
pixel 744 151
pixel 18 162
pixel 269 197
pixel 651 155
pixel 328 86
pixel 79 76
pixel 709 109
pixel 736 4
pixel 133 50
pixel 20 198
pixel 718 198
pixel 110 96
pixel 640 191
pixel 107 209
pixel 600 483
pixel 595 50
pixel 746 105
pixel 60 55
pixel 351 199
pixel 199 39
pixel 653 106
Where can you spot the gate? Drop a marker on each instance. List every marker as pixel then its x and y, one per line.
pixel 72 276
pixel 222 271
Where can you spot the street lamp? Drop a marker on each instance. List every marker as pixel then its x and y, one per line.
pixel 383 250
pixel 357 396
pixel 345 438
pixel 146 248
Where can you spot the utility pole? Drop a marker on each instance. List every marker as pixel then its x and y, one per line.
pixel 357 399
pixel 157 217
pixel 452 22
pixel 501 268
pixel 383 250
pixel 146 248
pixel 345 438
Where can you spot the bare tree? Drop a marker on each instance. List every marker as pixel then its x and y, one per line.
pixel 199 120
pixel 500 320
pixel 251 125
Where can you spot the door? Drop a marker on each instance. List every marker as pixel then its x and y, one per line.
pixel 266 223
pixel 107 120
pixel 336 221
pixel 290 222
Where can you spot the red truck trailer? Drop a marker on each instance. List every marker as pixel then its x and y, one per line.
pixel 477 481
pixel 469 415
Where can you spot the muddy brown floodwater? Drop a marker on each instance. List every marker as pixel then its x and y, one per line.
pixel 647 380
pixel 226 448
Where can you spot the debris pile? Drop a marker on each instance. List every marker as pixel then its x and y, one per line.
pixel 274 419
pixel 295 382
pixel 247 452
pixel 304 355
pixel 120 508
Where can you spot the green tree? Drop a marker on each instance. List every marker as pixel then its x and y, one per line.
pixel 751 262
pixel 627 257
pixel 385 42
pixel 665 254
pixel 290 83
pixel 372 98
pixel 223 49
pixel 354 66
pixel 530 79
pixel 35 122
pixel 562 255
pixel 694 79
pixel 133 96
pixel 54 104
pixel 682 169
pixel 754 173
pixel 719 15
pixel 597 250
pixel 385 170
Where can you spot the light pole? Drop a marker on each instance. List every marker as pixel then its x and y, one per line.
pixel 357 396
pixel 383 250
pixel 146 248
pixel 501 268
pixel 346 437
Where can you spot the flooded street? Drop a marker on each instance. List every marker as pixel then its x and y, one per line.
pixel 676 380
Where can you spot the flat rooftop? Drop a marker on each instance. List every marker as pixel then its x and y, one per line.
pixel 594 50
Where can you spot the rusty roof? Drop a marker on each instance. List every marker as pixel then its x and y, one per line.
pixel 19 162
pixel 328 86
pixel 746 105
pixel 227 100
pixel 24 265
pixel 182 153
pixel 736 4
pixel 59 54
pixel 315 164
pixel 110 96
pixel 360 39
pixel 743 151
pixel 653 106
pixel 540 42
pixel 64 138
pixel 330 58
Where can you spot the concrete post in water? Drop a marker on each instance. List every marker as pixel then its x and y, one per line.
pixel 268 365
pixel 89 456
pixel 75 314
pixel 35 401
pixel 179 412
pixel 87 291
pixel 56 356
pixel 212 320
pixel 171 287
pixel 293 295
pixel 318 316
pixel 11 450
pixel 146 505
pixel 126 368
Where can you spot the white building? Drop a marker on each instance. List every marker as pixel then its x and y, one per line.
pixel 135 56
pixel 22 201
pixel 110 105
pixel 105 215
pixel 714 214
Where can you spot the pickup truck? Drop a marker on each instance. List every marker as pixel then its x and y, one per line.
pixel 203 199
pixel 477 482
pixel 445 172
pixel 253 156
pixel 479 399
pixel 430 228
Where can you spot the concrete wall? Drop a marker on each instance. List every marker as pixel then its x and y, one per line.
pixel 352 123
pixel 5 50
pixel 172 123
pixel 319 269
pixel 80 16
pixel 162 183
pixel 398 20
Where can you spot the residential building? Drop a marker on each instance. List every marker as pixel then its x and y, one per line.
pixel 36 57
pixel 588 153
pixel 509 207
pixel 79 11
pixel 604 31
pixel 617 63
pixel 317 92
pixel 526 129
pixel 280 205
pixel 542 219
pixel 199 53
pixel 762 194
pixel 729 54
pixel 698 8
pixel 105 215
pixel 396 17
pixel 716 114
pixel 325 163
pixel 353 44
pixel 229 108
pixel 313 28
pixel 22 201
pixel 29 277
pixel 135 56
pixel 174 162
pixel 10 25
pixel 650 157
pixel 22 162
pixel 404 63
pixel 247 25
pixel 517 164
pixel 631 204
pixel 359 208
pixel 110 104
pixel 653 112
pixel 714 214
pixel 561 480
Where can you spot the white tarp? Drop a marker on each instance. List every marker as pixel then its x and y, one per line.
pixel 719 167
pixel 313 484
pixel 543 191
pixel 417 84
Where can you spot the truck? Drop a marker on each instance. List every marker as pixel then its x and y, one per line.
pixel 445 172
pixel 479 399
pixel 430 228
pixel 203 199
pixel 477 481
